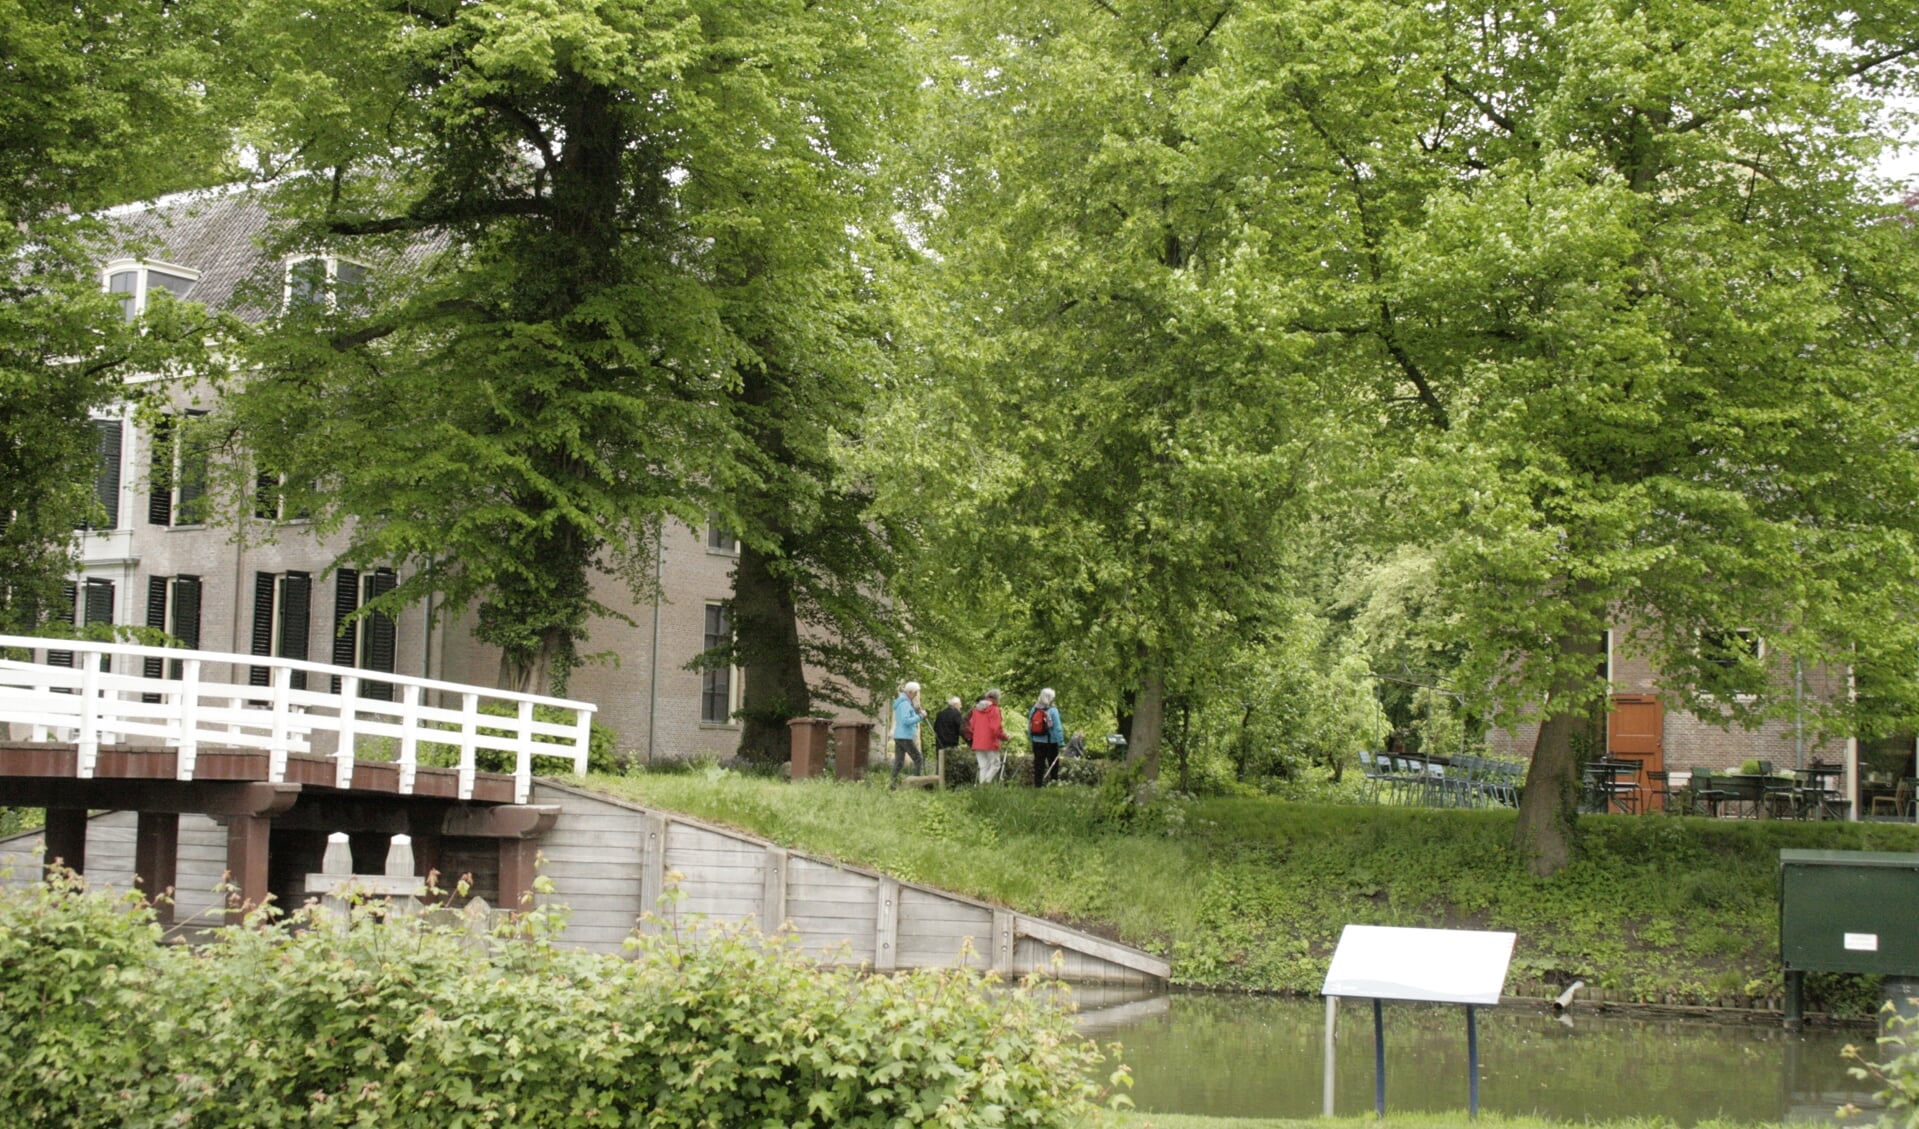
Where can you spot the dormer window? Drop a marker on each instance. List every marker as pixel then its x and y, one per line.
pixel 134 283
pixel 325 280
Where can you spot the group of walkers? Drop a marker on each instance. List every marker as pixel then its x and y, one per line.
pixel 983 729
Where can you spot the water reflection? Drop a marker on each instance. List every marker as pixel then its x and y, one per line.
pixel 1236 1056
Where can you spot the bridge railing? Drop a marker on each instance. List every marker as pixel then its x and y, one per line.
pixel 91 694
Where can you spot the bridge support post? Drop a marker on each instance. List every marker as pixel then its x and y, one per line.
pixel 246 864
pixel 516 873
pixel 66 836
pixel 156 851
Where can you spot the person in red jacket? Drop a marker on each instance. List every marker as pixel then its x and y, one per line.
pixel 988 732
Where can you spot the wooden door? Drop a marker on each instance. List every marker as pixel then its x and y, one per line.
pixel 1636 731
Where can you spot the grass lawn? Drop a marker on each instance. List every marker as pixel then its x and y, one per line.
pixel 1250 893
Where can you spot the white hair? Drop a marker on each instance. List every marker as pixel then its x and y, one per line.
pixel 954 701
pixel 912 689
pixel 1046 696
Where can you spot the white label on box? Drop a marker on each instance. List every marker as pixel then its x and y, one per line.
pixel 1862 942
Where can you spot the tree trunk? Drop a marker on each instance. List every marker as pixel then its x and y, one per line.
pixel 767 646
pixel 1549 805
pixel 1149 719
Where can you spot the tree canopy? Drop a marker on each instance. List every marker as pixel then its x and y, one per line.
pixel 613 233
pixel 100 107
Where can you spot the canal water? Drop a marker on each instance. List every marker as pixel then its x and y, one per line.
pixel 1247 1056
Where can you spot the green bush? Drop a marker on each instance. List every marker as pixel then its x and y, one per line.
pixel 1895 1068
pixel 406 1024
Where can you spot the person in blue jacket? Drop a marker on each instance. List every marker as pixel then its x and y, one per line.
pixel 1044 732
pixel 907 715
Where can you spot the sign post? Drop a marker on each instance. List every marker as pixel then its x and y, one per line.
pixel 1448 966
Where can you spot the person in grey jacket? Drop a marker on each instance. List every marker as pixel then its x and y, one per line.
pixel 1046 735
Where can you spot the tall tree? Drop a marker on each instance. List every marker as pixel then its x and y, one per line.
pixel 100 107
pixel 1121 442
pixel 1634 323
pixel 593 216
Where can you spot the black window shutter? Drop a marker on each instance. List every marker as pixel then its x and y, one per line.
pixel 107 486
pixel 296 613
pixel 69 595
pixel 346 631
pixel 194 457
pixel 156 619
pixel 381 637
pixel 262 626
pixel 160 474
pixel 100 610
pixel 186 610
pixel 99 602
pixel 186 617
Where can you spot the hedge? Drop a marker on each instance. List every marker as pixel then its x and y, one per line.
pixel 316 1020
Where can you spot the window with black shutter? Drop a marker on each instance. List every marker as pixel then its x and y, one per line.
pixel 368 643
pixel 282 623
pixel 173 606
pixel 106 482
pixel 380 641
pixel 177 471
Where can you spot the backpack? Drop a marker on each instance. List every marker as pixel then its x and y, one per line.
pixel 1038 724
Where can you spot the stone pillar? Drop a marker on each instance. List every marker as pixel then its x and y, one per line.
pixel 854 739
pixel 809 746
pixel 246 864
pixel 66 836
pixel 156 851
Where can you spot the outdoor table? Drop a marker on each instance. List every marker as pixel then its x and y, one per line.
pixel 1818 796
pixel 1614 784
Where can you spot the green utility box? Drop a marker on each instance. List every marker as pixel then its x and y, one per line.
pixel 1846 911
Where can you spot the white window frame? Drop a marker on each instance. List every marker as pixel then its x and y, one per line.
pixel 139 268
pixel 733 679
pixel 719 542
pixel 329 298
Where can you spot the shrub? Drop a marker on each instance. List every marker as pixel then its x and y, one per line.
pixel 401 1023
pixel 1896 1071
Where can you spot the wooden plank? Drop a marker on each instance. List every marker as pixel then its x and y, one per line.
pixel 652 868
pixel 918 955
pixel 731 908
pixel 826 894
pixel 1002 944
pixel 826 874
pixel 1125 957
pixel 886 926
pixel 773 891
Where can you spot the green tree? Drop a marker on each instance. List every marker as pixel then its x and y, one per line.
pixel 602 233
pixel 99 107
pixel 1633 324
pixel 1115 441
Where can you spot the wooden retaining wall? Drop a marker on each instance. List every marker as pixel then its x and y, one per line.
pixel 610 863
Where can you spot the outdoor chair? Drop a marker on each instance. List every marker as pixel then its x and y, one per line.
pixel 1705 794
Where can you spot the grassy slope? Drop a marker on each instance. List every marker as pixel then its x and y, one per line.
pixel 1252 893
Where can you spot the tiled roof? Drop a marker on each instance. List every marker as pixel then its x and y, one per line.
pixel 222 233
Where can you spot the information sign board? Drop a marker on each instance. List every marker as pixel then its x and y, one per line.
pixel 1447 966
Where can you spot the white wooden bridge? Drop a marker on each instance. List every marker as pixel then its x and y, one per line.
pixel 208 780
